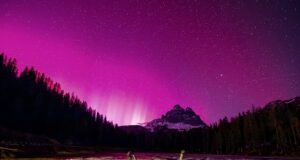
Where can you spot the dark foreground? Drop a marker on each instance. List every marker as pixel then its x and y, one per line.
pixel 174 156
pixel 77 153
pixel 165 156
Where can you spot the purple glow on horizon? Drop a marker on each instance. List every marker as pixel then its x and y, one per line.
pixel 132 61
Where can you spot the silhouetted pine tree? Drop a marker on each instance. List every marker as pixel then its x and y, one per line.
pixel 33 103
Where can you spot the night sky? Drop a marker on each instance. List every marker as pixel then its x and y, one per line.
pixel 134 60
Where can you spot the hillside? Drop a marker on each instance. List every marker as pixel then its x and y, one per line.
pixel 32 103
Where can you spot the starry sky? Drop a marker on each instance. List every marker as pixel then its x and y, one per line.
pixel 133 60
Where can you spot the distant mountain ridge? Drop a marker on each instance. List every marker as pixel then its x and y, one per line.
pixel 177 118
pixel 271 104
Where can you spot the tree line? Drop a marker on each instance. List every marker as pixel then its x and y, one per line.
pixel 32 103
pixel 271 130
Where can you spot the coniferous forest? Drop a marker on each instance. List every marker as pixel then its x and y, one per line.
pixel 31 104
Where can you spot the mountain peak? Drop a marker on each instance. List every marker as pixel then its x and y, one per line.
pixel 188 109
pixel 178 118
pixel 177 107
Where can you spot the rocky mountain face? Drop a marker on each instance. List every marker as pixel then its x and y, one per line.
pixel 177 118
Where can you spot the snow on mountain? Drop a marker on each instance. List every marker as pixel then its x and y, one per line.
pixel 177 118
